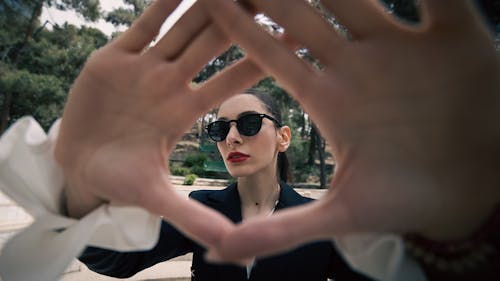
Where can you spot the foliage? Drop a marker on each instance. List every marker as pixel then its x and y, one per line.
pixel 179 171
pixel 195 159
pixel 39 95
pixel 126 15
pixel 297 155
pixel 190 179
pixel 227 58
pixel 89 9
pixel 15 16
pixel 37 74
pixel 200 171
pixel 194 162
pixel 120 16
pixel 61 52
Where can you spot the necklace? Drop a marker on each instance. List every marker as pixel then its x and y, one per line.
pixel 275 201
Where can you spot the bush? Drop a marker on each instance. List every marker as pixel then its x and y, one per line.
pixel 179 171
pixel 198 170
pixel 41 96
pixel 190 179
pixel 196 159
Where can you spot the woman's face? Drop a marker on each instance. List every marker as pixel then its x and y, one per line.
pixel 248 155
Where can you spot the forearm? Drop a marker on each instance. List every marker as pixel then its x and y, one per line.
pixel 119 264
pixel 78 204
pixel 113 263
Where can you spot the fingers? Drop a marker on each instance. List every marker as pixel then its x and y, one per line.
pixel 362 18
pixel 447 12
pixel 230 81
pixel 210 43
pixel 146 27
pixel 190 25
pixel 271 55
pixel 311 30
pixel 280 232
pixel 200 222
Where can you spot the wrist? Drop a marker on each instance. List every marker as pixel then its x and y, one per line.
pixel 78 204
pixel 460 256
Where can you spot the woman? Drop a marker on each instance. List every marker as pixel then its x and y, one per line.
pixel 416 80
pixel 252 141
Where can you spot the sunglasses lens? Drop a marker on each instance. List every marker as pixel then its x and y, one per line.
pixel 218 130
pixel 249 125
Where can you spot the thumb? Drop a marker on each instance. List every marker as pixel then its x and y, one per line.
pixel 197 221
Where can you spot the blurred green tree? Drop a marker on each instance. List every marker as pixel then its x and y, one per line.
pixel 37 65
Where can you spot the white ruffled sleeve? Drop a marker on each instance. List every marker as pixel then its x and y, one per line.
pixel 380 256
pixel 30 176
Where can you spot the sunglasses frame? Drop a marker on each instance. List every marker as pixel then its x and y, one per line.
pixel 260 115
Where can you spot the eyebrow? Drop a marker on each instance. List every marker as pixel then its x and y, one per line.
pixel 239 115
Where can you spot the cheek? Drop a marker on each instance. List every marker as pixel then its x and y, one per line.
pixel 222 148
pixel 266 147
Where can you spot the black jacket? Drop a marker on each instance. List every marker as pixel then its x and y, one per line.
pixel 310 262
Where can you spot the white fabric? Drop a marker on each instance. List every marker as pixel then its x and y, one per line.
pixel 380 256
pixel 30 176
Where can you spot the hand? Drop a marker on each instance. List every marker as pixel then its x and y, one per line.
pixel 129 107
pixel 410 112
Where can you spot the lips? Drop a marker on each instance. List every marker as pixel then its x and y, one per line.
pixel 235 157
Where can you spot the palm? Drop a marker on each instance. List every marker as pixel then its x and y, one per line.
pixel 128 108
pixel 391 136
pixel 122 128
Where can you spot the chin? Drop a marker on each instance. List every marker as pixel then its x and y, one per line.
pixel 238 173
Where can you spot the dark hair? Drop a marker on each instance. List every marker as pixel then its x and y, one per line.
pixel 283 167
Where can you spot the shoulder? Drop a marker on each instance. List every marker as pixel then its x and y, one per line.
pixel 218 195
pixel 202 195
pixel 290 197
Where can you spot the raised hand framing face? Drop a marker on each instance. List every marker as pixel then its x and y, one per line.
pixel 130 105
pixel 411 113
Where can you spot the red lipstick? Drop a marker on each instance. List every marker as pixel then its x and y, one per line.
pixel 235 157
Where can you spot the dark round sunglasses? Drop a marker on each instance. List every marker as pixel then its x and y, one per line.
pixel 247 125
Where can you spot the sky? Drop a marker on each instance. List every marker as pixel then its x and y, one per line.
pixel 55 16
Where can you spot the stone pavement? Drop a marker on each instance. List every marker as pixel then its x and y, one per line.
pixel 177 269
pixel 13 218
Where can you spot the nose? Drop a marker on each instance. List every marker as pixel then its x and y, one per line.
pixel 233 136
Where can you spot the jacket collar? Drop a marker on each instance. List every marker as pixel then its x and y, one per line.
pixel 228 202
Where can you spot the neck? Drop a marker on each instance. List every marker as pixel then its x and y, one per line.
pixel 259 191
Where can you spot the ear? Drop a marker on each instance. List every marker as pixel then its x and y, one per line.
pixel 284 137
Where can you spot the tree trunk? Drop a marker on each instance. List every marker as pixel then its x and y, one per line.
pixel 320 147
pixel 312 145
pixel 6 111
pixel 303 125
pixel 322 164
pixel 37 11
